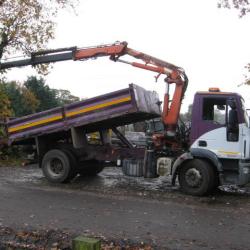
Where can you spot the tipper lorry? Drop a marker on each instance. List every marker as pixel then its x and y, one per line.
pixel 214 150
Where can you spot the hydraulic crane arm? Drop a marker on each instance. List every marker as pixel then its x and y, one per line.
pixel 115 51
pixel 64 54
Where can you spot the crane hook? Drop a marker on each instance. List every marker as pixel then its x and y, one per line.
pixel 157 77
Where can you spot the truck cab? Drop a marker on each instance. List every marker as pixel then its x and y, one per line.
pixel 220 132
pixel 219 144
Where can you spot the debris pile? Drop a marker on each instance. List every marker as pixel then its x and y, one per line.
pixel 55 240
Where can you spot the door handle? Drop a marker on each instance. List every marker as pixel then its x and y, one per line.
pixel 202 143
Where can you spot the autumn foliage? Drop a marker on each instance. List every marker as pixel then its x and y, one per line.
pixel 32 96
pixel 5 106
pixel 28 25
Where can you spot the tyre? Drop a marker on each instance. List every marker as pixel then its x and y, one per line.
pixel 58 166
pixel 90 168
pixel 73 163
pixel 196 177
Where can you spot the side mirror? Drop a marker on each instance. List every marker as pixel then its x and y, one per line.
pixel 221 107
pixel 233 125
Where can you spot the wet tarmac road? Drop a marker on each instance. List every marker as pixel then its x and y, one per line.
pixel 121 207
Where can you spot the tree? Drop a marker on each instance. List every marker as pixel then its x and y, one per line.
pixel 45 95
pixel 22 100
pixel 5 112
pixel 28 25
pixel 65 97
pixel 29 101
pixel 34 96
pixel 5 109
pixel 15 98
pixel 48 98
pixel 243 6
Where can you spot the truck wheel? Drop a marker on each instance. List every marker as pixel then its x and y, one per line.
pixel 90 168
pixel 73 163
pixel 58 166
pixel 196 177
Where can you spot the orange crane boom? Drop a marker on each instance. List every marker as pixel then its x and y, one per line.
pixel 174 75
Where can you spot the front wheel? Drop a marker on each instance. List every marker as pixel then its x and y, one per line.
pixel 196 177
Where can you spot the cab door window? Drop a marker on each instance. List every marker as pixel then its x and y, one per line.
pixel 214 110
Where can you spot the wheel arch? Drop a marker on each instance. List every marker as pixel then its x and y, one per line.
pixel 196 153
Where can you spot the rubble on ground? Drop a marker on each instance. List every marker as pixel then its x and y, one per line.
pixel 56 240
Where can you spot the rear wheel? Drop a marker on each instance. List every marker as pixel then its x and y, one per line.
pixel 90 168
pixel 196 177
pixel 73 163
pixel 58 166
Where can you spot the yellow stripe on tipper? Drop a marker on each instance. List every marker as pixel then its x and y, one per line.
pixel 98 106
pixel 69 114
pixel 32 124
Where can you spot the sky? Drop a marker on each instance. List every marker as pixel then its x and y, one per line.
pixel 210 44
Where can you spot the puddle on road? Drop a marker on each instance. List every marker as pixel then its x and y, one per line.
pixel 27 174
pixel 113 178
pixel 235 189
pixel 110 179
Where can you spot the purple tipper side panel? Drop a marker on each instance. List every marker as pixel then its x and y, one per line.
pixel 122 107
pixel 37 131
pixel 34 117
pixel 95 117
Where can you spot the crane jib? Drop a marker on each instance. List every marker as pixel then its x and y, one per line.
pixel 38 60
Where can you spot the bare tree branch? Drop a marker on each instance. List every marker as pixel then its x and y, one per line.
pixel 243 6
pixel 28 25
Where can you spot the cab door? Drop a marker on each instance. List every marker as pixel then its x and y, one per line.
pixel 212 127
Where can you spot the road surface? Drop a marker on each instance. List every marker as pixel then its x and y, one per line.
pixel 119 207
